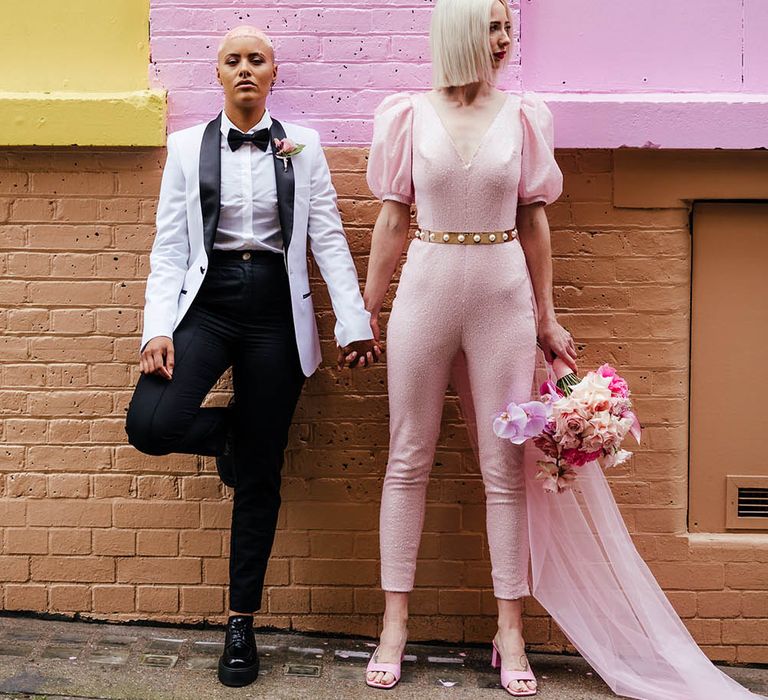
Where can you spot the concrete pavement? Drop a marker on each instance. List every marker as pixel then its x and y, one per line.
pixel 59 660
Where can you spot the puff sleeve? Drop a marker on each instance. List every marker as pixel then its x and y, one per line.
pixel 389 161
pixel 540 178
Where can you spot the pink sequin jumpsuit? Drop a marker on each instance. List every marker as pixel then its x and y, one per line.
pixel 461 310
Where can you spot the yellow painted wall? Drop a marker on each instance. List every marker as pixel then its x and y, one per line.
pixel 85 45
pixel 76 72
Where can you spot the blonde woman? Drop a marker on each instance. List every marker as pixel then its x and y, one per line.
pixel 474 296
pixel 478 164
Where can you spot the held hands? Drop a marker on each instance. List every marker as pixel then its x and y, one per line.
pixel 362 353
pixel 157 357
pixel 555 341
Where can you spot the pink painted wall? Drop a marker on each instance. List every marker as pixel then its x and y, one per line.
pixel 631 46
pixel 668 73
pixel 755 45
pixel 337 59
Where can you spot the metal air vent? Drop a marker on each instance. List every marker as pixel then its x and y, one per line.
pixel 753 503
pixel 747 503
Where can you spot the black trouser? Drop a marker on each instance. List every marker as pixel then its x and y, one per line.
pixel 241 318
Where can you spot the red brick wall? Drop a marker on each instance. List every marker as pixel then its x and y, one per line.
pixel 89 525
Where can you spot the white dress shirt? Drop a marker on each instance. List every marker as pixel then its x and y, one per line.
pixel 248 219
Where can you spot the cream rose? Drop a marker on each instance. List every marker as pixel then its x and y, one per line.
pixel 593 390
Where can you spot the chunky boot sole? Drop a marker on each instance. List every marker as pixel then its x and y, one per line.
pixel 238 677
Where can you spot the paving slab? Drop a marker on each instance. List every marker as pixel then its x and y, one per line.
pixel 61 660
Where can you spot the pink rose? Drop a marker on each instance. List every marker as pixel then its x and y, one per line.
pixel 284 146
pixel 574 422
pixel 602 429
pixel 592 442
pixel 578 458
pixel 618 385
pixel 571 419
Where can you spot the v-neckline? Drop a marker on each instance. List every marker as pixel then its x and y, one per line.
pixel 491 124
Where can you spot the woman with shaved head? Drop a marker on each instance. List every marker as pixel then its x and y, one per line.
pixel 242 198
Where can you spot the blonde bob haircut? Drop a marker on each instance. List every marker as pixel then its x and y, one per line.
pixel 458 39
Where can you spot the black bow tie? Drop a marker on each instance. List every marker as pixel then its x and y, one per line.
pixel 236 138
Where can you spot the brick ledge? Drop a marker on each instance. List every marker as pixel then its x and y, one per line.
pixel 135 118
pixel 659 120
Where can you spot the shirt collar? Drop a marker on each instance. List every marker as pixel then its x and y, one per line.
pixel 226 124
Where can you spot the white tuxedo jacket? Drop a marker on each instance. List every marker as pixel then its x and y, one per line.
pixel 187 219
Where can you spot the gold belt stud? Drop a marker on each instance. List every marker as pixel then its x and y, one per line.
pixel 480 238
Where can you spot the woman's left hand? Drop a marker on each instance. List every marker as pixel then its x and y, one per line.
pixel 554 340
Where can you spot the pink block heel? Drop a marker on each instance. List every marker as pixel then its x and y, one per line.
pixel 374 666
pixel 508 676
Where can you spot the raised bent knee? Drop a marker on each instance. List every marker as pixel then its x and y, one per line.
pixel 143 433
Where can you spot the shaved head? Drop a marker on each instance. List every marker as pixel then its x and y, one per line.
pixel 245 31
pixel 247 71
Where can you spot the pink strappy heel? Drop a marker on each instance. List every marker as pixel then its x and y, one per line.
pixel 374 666
pixel 508 676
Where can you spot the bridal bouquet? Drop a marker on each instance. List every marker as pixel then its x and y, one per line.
pixel 574 422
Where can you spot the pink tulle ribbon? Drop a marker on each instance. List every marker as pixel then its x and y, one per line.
pixel 589 576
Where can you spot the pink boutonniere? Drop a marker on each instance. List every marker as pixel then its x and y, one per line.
pixel 285 149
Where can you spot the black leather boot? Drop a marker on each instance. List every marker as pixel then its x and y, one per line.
pixel 239 664
pixel 225 462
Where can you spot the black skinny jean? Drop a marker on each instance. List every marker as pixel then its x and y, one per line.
pixel 241 318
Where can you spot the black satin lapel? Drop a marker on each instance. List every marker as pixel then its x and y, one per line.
pixel 210 181
pixel 286 186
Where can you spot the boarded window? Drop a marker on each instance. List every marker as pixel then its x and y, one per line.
pixel 729 364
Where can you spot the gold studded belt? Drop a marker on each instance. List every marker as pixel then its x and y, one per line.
pixel 482 238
